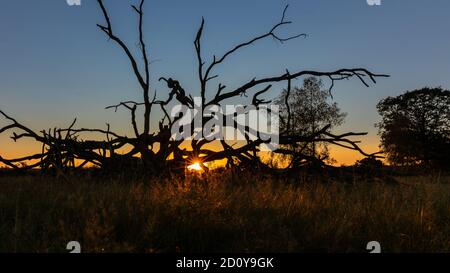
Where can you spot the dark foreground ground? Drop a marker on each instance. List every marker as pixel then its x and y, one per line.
pixel 223 214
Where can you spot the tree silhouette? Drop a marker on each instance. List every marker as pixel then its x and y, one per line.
pixel 415 127
pixel 155 150
pixel 311 110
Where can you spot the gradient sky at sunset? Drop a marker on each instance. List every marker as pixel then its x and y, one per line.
pixel 56 65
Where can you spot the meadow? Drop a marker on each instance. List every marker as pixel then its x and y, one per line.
pixel 222 213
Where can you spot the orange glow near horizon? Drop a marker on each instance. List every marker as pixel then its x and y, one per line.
pixel 10 150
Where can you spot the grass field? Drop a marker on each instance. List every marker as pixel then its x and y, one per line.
pixel 222 214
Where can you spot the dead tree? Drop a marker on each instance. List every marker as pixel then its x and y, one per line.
pixel 62 148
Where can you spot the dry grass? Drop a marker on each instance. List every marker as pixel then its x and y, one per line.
pixel 222 214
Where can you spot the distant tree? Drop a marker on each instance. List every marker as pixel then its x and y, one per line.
pixel 415 128
pixel 311 109
pixel 369 164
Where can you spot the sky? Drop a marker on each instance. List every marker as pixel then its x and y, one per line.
pixel 56 65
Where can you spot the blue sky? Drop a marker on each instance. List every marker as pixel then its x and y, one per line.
pixel 56 65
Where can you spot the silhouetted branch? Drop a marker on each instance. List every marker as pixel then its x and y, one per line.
pixel 270 33
pixel 144 83
pixel 342 74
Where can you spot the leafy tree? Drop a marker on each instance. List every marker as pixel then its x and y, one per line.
pixel 415 128
pixel 311 109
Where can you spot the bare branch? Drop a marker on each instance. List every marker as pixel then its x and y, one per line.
pixel 271 33
pixel 342 74
pixel 143 82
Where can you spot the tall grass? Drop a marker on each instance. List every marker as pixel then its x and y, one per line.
pixel 221 214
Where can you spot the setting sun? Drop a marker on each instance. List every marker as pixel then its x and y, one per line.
pixel 197 166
